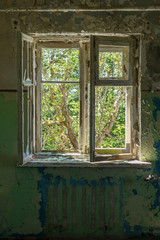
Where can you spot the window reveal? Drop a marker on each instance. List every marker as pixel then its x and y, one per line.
pixel 60 117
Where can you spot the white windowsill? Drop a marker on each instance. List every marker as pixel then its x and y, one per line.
pixel 79 160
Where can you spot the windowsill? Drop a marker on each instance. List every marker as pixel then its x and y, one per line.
pixel 79 160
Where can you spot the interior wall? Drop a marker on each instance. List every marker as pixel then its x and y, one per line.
pixel 84 202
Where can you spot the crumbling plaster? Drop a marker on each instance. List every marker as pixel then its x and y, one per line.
pixel 145 24
pixel 79 4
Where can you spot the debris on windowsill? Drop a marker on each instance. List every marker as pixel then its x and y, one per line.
pixel 151 178
pixel 79 160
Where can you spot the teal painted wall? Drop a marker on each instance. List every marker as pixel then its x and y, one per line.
pixel 84 202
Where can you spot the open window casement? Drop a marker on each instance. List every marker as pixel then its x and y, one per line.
pixel 59 49
pixel 54 109
pixel 26 97
pixel 117 78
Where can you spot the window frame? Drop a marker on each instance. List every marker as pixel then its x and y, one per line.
pixel 130 151
pixel 89 54
pixel 83 88
pixel 26 86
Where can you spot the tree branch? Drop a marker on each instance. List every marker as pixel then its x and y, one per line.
pixel 54 123
pixel 68 121
pixel 108 126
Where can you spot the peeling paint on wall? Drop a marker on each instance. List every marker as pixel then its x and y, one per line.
pixel 68 202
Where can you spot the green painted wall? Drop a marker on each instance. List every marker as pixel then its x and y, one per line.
pixel 27 194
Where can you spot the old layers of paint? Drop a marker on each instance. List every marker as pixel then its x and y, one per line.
pixel 71 189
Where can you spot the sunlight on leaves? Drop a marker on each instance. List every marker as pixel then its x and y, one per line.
pixel 60 64
pixel 110 117
pixel 110 64
pixel 60 102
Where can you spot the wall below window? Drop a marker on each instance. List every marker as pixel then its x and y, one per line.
pixel 84 202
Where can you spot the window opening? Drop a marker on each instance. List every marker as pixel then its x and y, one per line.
pixel 112 78
pixel 60 64
pixel 110 117
pixel 75 79
pixel 60 101
pixel 60 116
pixel 113 62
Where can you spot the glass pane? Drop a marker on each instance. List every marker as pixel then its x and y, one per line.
pixel 110 117
pixel 24 61
pixel 60 116
pixel 27 119
pixel 60 64
pixel 110 64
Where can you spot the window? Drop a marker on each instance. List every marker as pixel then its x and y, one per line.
pixel 78 99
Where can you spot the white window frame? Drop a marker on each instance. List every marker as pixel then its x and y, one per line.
pixel 26 89
pixel 83 87
pixel 34 92
pixel 130 151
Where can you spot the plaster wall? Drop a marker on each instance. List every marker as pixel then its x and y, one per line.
pixel 68 202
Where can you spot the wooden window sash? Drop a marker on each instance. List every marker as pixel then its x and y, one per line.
pixel 83 139
pixel 25 103
pixel 95 81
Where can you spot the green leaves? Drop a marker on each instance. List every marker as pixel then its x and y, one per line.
pixel 110 117
pixel 54 125
pixel 60 64
pixel 60 102
pixel 110 64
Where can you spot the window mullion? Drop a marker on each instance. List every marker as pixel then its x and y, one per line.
pixel 84 124
pixel 34 100
pixel 38 114
pixel 93 78
pixel 128 119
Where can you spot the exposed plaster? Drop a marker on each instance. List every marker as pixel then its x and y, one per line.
pixel 65 10
pixel 27 194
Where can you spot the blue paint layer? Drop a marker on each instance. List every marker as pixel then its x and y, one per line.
pixel 102 182
pixel 93 183
pixel 156 102
pixel 139 177
pixel 134 191
pixel 137 230
pixel 155 183
pixel 75 182
pixel 47 180
pixel 44 190
pixel 157 195
pixel 156 170
pixel 83 182
pixel 127 228
pixel 57 181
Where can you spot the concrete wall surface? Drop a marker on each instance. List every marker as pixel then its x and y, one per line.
pixel 86 202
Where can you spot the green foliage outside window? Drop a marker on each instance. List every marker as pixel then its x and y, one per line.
pixel 110 64
pixel 60 103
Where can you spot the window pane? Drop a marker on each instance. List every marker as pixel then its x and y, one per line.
pixel 110 117
pixel 25 119
pixel 60 64
pixel 60 116
pixel 110 64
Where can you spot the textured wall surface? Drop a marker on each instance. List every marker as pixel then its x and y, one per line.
pixel 68 202
pixel 79 4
